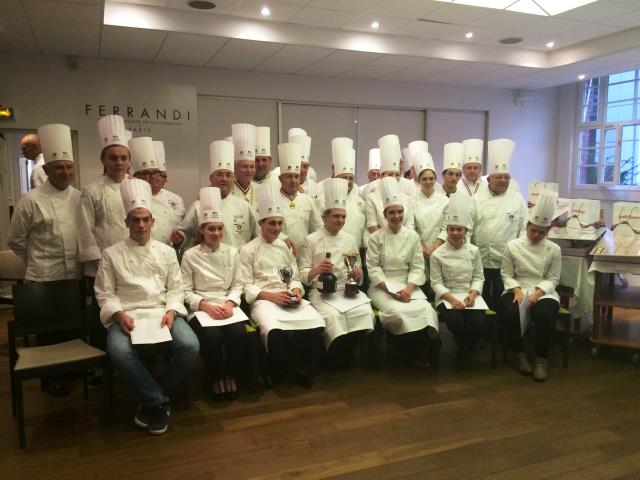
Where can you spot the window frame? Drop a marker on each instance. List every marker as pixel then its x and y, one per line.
pixel 603 126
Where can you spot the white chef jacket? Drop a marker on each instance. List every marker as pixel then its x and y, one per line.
pixel 301 217
pixel 164 218
pixel 133 276
pixel 428 214
pixel 38 175
pixel 398 258
pixel 498 219
pixel 374 211
pixel 240 222
pixel 469 187
pixel 528 266
pixel 259 260
pixel 43 233
pixel 312 254
pixel 210 275
pixel 100 220
pixel 456 270
pixel 356 221
pixel 249 194
pixel 175 202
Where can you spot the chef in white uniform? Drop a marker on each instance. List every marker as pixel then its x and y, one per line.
pixel 500 216
pixel 301 214
pixel 373 172
pixel 417 149
pixel 248 141
pixel 390 155
pixel 456 268
pixel 290 329
pixel 343 330
pixel 240 224
pixel 531 267
pixel 101 215
pixel 43 227
pixel 452 167
pixel 396 269
pixel 173 200
pixel 307 186
pixel 264 161
pixel 145 167
pixel 429 204
pixel 472 179
pixel 140 277
pixel 209 276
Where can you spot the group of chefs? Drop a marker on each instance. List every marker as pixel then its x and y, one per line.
pixel 274 243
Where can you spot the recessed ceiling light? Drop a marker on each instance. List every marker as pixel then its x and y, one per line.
pixel 201 4
pixel 581 77
pixel 550 44
pixel 375 25
pixel 265 11
pixel 469 35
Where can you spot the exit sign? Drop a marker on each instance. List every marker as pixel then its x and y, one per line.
pixel 6 113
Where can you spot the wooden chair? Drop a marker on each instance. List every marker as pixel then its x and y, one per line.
pixel 12 269
pixel 47 308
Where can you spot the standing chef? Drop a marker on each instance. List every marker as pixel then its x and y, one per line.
pixel 248 141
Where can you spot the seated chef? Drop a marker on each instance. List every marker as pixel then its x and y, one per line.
pixel 343 330
pixel 138 276
pixel 289 330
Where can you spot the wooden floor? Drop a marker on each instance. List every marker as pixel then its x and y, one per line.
pixel 457 423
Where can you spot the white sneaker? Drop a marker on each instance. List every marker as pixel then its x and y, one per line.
pixel 524 367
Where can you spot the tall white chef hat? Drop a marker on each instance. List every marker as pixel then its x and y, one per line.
pixel 452 157
pixel 290 157
pixel 500 152
pixel 268 200
pixel 112 132
pixel 210 205
pixel 305 146
pixel 161 159
pixel 416 147
pixel 221 156
pixel 390 153
pixel 135 193
pixel 472 150
pixel 263 142
pixel 55 140
pixel 336 191
pixel 128 134
pixel 458 213
pixel 406 158
pixel 374 159
pixel 423 161
pixel 339 143
pixel 542 212
pixel 143 154
pixel 344 160
pixel 244 141
pixel 295 131
pixel 390 192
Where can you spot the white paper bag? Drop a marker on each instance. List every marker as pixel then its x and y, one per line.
pixel 535 188
pixel 626 218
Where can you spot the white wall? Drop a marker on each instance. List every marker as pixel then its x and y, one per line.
pixel 43 90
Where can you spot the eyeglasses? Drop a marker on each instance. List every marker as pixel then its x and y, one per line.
pixel 147 173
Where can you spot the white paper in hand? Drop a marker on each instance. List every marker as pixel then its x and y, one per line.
pixel 479 303
pixel 146 327
pixel 394 287
pixel 525 314
pixel 206 321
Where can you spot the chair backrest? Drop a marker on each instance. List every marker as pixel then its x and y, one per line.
pixel 45 307
pixel 12 267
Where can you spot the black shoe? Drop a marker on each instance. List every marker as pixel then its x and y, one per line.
pixel 95 378
pixel 54 386
pixel 143 416
pixel 231 396
pixel 159 421
pixel 301 378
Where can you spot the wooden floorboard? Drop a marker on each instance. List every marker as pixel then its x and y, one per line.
pixel 399 423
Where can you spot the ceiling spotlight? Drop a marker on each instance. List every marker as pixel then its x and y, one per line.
pixel 375 25
pixel 469 35
pixel 550 44
pixel 265 11
pixel 201 4
pixel 581 77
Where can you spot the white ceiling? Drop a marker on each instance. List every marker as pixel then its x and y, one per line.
pixel 418 40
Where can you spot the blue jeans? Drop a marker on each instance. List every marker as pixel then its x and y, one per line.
pixel 151 392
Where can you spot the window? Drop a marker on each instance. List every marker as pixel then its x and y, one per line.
pixel 608 150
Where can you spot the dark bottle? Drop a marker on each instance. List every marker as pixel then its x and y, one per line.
pixel 328 281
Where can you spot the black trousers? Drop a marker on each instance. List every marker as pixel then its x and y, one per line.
pixel 543 314
pixel 97 332
pixel 295 349
pixel 492 289
pixel 467 326
pixel 341 350
pixel 222 348
pixel 413 344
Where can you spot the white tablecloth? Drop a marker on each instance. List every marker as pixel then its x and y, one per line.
pixel 575 274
